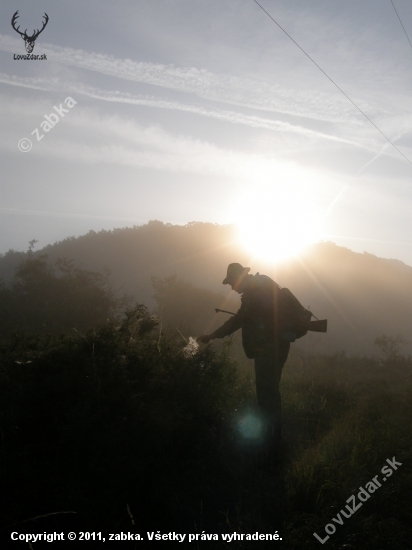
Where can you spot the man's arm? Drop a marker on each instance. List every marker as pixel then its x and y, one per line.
pixel 230 326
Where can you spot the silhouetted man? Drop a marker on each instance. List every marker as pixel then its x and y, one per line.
pixel 258 319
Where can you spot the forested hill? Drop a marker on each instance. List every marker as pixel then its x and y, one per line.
pixel 361 295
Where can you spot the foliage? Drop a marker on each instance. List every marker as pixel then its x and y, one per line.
pixel 390 347
pixel 55 297
pixel 344 418
pixel 115 412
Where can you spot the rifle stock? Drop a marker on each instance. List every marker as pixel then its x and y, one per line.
pixel 318 326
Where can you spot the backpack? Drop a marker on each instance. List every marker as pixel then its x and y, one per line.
pixel 293 318
pixel 275 311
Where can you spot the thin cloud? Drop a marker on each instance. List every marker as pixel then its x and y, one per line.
pixel 233 90
pixel 243 92
pixel 219 114
pixel 365 239
pixel 232 117
pixel 335 201
pixel 114 140
pixel 51 214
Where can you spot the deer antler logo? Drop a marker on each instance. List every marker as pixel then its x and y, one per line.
pixel 29 41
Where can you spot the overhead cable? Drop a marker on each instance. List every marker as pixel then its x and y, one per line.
pixel 333 82
pixel 404 30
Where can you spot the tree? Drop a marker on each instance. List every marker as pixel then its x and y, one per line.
pixel 390 347
pixel 57 297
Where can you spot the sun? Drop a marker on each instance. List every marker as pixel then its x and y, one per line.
pixel 275 223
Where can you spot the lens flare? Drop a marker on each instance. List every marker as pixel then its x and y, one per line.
pixel 250 427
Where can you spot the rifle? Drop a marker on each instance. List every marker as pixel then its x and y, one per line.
pixel 314 326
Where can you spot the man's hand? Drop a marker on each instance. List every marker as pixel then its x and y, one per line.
pixel 204 339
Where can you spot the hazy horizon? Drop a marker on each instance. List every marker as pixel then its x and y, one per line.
pixel 38 246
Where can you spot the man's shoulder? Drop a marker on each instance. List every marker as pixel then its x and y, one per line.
pixel 263 281
pixel 261 286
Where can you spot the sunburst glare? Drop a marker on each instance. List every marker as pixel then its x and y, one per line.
pixel 276 222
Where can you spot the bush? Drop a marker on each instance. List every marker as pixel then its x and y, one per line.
pixel 55 298
pixel 119 411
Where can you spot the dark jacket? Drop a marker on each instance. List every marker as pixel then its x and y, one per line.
pixel 257 317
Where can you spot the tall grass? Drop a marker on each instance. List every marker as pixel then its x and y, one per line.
pixel 359 412
pixel 120 423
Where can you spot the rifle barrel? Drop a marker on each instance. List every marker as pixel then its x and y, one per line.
pixel 224 311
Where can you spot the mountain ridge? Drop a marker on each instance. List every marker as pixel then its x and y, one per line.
pixel 363 296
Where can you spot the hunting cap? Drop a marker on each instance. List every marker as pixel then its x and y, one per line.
pixel 234 272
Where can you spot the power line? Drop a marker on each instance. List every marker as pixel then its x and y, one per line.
pixel 333 82
pixel 404 30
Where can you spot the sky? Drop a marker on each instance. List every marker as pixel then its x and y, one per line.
pixel 205 110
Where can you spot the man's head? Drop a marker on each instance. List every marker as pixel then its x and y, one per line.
pixel 236 277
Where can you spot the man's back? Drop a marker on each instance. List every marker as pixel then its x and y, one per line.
pixel 259 311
